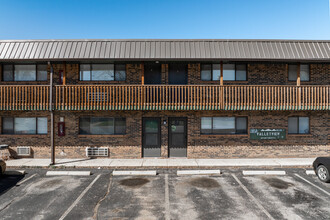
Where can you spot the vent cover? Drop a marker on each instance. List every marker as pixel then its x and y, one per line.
pixel 23 151
pixel 96 152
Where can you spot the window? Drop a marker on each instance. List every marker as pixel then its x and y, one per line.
pixel 24 125
pixel 210 72
pixel 304 72
pixel 102 126
pixel 26 72
pixel 102 72
pixel 298 125
pixel 231 72
pixel 234 72
pixel 224 125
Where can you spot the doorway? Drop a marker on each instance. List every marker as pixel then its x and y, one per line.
pixel 151 138
pixel 177 74
pixel 177 137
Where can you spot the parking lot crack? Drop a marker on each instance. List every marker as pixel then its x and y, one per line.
pixel 96 208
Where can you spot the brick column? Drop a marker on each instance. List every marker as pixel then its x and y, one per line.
pixel 164 74
pixel 164 137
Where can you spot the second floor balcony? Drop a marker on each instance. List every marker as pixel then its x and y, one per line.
pixel 164 97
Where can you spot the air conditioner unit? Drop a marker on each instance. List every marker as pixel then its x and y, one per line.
pixel 23 151
pixel 97 151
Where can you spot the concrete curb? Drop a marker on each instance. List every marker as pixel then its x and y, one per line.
pixel 310 172
pixel 15 172
pixel 134 173
pixel 68 173
pixel 197 172
pixel 263 172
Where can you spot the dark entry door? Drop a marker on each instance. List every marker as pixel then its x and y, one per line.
pixel 151 137
pixel 177 74
pixel 152 73
pixel 177 137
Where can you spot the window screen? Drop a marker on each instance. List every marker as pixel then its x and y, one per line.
pixel 120 72
pixel 24 125
pixel 298 125
pixel 102 126
pixel 293 72
pixel 304 72
pixel 228 72
pixel 224 125
pixel 206 72
pixel 241 72
pixel 8 73
pixel 25 73
pixel 42 72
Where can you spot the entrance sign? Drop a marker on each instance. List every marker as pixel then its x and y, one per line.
pixel 267 134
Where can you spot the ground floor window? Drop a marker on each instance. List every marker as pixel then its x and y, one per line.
pixel 11 125
pixel 102 125
pixel 298 125
pixel 224 125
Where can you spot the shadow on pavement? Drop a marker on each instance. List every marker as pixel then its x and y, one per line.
pixel 9 181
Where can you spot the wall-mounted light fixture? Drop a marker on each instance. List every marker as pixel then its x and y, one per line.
pixel 157 61
pixel 164 122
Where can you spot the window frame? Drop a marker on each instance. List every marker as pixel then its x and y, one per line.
pixel 221 69
pixel 91 70
pixel 114 126
pixel 235 80
pixel 212 133
pixel 14 133
pixel 299 64
pixel 13 72
pixel 309 125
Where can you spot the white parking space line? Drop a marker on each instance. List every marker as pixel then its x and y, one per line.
pixel 263 172
pixel 326 192
pixel 23 181
pixel 310 172
pixel 253 198
pixel 79 198
pixel 167 199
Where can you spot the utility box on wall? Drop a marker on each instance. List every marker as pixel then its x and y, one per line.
pixel 61 129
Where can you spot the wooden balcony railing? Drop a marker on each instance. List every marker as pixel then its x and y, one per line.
pixel 24 97
pixel 191 97
pixel 165 97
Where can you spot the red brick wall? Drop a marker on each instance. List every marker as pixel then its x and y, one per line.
pixel 199 146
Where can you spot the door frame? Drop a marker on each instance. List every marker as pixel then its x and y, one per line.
pixel 170 136
pixel 186 73
pixel 159 133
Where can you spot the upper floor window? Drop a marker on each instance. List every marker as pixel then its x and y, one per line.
pixel 18 125
pixel 100 125
pixel 102 72
pixel 234 72
pixel 24 72
pixel 298 125
pixel 210 72
pixel 231 72
pixel 304 72
pixel 224 125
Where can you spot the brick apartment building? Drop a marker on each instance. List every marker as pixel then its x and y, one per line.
pixel 165 98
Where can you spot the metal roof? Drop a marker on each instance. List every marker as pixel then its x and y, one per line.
pixel 11 50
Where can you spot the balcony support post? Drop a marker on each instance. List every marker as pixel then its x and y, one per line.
pixel 221 74
pixel 52 140
pixel 298 89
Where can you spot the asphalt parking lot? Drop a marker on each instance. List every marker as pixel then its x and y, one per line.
pixel 231 195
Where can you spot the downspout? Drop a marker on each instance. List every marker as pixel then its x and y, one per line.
pixel 52 145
